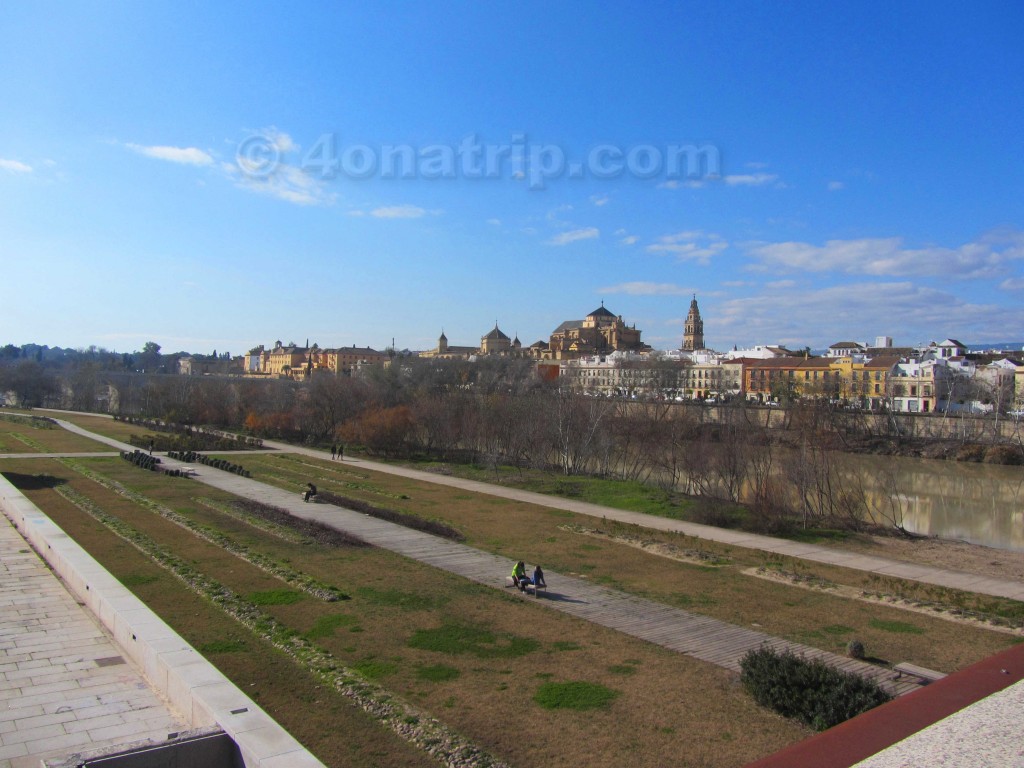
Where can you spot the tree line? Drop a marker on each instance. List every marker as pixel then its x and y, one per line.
pixel 784 465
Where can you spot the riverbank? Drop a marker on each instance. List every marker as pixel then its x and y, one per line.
pixel 941 553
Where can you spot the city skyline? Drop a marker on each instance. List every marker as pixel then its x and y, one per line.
pixel 218 179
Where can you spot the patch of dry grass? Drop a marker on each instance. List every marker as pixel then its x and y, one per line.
pixel 18 437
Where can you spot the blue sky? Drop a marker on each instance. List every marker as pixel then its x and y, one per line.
pixel 212 177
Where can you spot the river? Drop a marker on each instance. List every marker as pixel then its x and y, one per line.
pixel 979 503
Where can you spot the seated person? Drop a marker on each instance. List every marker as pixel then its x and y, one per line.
pixel 538 577
pixel 310 492
pixel 519 577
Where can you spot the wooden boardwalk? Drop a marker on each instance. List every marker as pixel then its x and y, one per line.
pixel 701 637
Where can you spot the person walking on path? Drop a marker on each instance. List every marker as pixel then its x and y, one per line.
pixel 334 452
pixel 341 452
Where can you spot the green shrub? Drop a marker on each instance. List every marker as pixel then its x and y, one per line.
pixel 855 649
pixel 807 690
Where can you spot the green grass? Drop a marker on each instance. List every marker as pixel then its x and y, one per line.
pixel 622 669
pixel 576 695
pixel 566 645
pixel 222 646
pixel 816 535
pixel 437 673
pixel 138 579
pixel 621 494
pixel 374 669
pixel 837 629
pixel 900 627
pixel 458 639
pixel 276 597
pixel 396 598
pixel 325 625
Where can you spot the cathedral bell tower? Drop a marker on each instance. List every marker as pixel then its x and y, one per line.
pixel 693 331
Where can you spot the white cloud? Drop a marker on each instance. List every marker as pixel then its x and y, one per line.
pixel 646 289
pixel 750 179
pixel 182 155
pixel 14 166
pixel 281 140
pixel 398 212
pixel 676 184
pixel 600 201
pixel 573 235
pixel 285 182
pixel 494 222
pixel 1012 284
pixel 690 245
pixel 835 186
pixel 630 240
pixel 819 317
pixel 888 257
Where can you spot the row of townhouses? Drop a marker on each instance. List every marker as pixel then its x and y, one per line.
pixel 942 376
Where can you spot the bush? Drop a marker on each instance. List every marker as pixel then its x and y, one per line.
pixel 855 649
pixel 970 452
pixel 808 690
pixel 193 457
pixel 1004 454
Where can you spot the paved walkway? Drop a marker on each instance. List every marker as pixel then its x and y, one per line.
pixel 698 636
pixel 64 686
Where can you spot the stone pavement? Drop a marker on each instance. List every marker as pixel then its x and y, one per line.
pixel 64 686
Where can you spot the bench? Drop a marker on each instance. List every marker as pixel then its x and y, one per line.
pixel 530 588
pixel 923 673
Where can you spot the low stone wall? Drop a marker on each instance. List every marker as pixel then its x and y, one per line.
pixel 194 687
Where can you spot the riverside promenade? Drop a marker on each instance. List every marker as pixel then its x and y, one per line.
pixel 64 686
pixel 994 733
pixel 943 577
pixel 710 640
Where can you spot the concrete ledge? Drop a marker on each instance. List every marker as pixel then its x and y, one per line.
pixel 197 689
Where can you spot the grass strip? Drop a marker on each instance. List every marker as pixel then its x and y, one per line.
pixel 435 527
pixel 409 722
pixel 282 524
pixel 352 486
pixel 307 584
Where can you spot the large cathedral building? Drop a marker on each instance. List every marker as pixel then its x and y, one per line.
pixel 600 332
pixel 493 343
